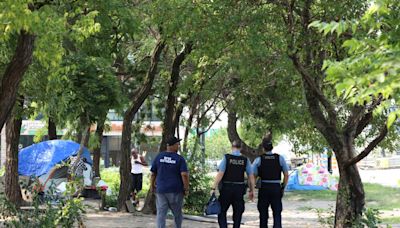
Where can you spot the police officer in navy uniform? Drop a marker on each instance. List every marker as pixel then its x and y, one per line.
pixel 231 173
pixel 269 167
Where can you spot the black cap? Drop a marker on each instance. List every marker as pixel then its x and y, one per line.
pixel 267 144
pixel 172 141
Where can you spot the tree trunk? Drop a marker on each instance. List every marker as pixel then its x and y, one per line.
pixel 170 106
pixel 192 112
pixel 52 129
pixel 12 188
pixel 14 73
pixel 97 150
pixel 350 199
pixel 125 165
pixel 139 97
pixel 247 151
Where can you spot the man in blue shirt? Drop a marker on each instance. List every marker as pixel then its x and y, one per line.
pixel 231 172
pixel 170 181
pixel 269 167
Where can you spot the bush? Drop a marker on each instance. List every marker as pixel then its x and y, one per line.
pixel 47 211
pixel 199 191
pixel 370 218
pixel 111 177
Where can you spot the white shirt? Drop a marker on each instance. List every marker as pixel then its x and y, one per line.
pixel 136 168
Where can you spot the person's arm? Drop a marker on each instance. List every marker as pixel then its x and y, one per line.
pixel 250 179
pixel 153 182
pixel 252 186
pixel 153 177
pixel 285 178
pixel 218 179
pixel 185 180
pixel 285 170
pixel 143 161
pixel 220 174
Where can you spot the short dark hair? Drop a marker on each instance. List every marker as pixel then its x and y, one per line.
pixel 267 144
pixel 236 143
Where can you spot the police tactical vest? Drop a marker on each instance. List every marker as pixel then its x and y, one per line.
pixel 270 168
pixel 235 168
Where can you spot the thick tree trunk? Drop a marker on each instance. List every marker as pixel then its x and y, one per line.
pixel 170 107
pixel 137 100
pixel 12 188
pixel 52 129
pixel 125 165
pixel 249 152
pixel 97 150
pixel 350 199
pixel 14 73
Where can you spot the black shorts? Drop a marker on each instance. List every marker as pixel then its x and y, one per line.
pixel 137 180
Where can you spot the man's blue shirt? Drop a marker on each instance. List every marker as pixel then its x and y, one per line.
pixel 168 166
pixel 257 163
pixel 222 165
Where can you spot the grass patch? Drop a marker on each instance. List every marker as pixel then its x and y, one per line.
pixel 311 195
pixel 381 197
pixel 376 196
pixel 391 220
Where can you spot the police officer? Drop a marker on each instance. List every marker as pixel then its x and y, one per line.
pixel 231 173
pixel 269 167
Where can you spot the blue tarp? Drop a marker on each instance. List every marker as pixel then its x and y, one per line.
pixel 40 158
pixel 293 184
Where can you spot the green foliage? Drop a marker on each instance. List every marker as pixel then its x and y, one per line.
pixel 326 219
pixel 373 193
pixel 2 171
pixel 48 211
pixel 371 68
pixel 199 191
pixel 111 177
pixel 370 218
pixel 217 144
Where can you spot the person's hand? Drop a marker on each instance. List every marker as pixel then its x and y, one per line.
pixel 186 192
pixel 282 190
pixel 212 191
pixel 251 196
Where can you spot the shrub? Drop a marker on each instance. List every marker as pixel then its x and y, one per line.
pixel 47 211
pixel 199 191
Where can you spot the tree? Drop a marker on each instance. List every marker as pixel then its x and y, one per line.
pixel 12 189
pixel 339 122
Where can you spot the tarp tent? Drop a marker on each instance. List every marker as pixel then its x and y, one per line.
pixel 38 159
pixel 311 177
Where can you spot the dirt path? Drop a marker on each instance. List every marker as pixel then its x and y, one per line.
pixel 296 214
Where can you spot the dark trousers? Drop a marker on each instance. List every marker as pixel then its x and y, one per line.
pixel 231 194
pixel 270 194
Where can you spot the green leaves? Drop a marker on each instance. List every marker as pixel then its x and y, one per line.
pixel 372 67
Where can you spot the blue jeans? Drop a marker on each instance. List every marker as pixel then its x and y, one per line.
pixel 165 201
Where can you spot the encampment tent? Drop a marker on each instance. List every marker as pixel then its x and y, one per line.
pixel 311 177
pixel 40 158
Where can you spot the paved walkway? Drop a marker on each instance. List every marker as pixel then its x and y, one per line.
pixel 296 214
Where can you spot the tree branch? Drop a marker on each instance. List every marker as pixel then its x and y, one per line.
pixel 215 120
pixel 383 132
pixel 366 119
